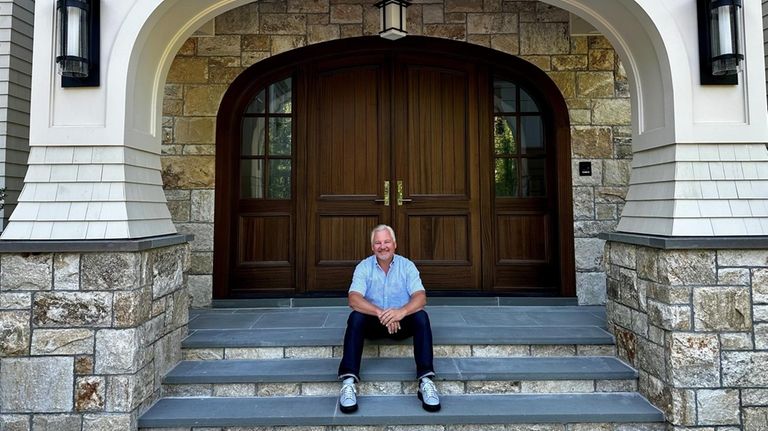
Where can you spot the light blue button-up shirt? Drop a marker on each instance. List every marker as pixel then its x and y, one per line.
pixel 386 290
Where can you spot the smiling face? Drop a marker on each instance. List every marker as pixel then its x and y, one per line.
pixel 383 246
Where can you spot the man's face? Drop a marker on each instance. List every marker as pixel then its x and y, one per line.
pixel 383 245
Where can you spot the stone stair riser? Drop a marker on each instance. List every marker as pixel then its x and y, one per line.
pixel 400 351
pixel 397 388
pixel 463 427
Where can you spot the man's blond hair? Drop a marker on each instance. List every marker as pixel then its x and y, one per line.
pixel 380 228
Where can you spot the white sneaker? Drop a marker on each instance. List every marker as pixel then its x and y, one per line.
pixel 348 398
pixel 430 400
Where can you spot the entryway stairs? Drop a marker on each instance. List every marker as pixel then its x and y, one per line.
pixel 499 367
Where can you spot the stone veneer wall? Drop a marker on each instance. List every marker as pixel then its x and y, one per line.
pixel 86 337
pixel 586 69
pixel 695 324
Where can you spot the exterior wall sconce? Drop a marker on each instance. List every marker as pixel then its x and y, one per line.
pixel 78 42
pixel 720 53
pixel 393 18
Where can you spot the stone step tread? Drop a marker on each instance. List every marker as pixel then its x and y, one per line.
pixel 282 337
pixel 401 410
pixel 400 369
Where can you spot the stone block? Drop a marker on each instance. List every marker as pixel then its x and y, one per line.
pixel 508 43
pixel 492 387
pixel 591 142
pixel 111 271
pixel 234 390
pixel 167 270
pixel 202 263
pixel 754 397
pixel 278 23
pixel 688 267
pixel 188 172
pixel 188 70
pixel 30 385
pixel 589 254
pixel 670 317
pixel 679 295
pixel 62 309
pixel 309 352
pixel 760 313
pixel 126 392
pixel 566 82
pixel 132 308
pixel 591 288
pixel 454 6
pixel 194 130
pixel 167 353
pixel 485 23
pixel 278 389
pixel 544 38
pixel 500 351
pixel 602 59
pixel 446 31
pixel 14 333
pixel 583 203
pixel 26 271
pixel 611 112
pixel 14 422
pixel 556 386
pixel 432 14
pixel 651 358
pixel 308 6
pixel 733 277
pixel 742 258
pixel 62 342
pixel 722 308
pixel 89 394
pixel 203 100
pixel 83 365
pixel 251 58
pixel 200 289
pixel 218 46
pixel 56 423
pixel 761 336
pixel 66 271
pixel 718 407
pixel 616 172
pixel 108 422
pixel 760 286
pixel 755 418
pixel 594 84
pixel 254 353
pixel 117 351
pixel 569 62
pixel 322 32
pixel 736 341
pixel 202 205
pixel 286 43
pixel 346 14
pixel 611 195
pixel 242 20
pixel 624 255
pixel 546 350
pixel 16 301
pixel 694 360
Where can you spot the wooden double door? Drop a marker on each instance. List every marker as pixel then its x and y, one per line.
pixel 404 138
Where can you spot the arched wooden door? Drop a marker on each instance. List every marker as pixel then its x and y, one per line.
pixel 447 148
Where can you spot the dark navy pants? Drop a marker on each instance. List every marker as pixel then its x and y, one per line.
pixel 361 326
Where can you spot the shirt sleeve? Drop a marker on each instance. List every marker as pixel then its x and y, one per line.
pixel 414 280
pixel 360 279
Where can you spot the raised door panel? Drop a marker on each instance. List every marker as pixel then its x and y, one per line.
pixel 348 162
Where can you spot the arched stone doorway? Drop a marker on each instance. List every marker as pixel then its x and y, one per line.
pixel 464 150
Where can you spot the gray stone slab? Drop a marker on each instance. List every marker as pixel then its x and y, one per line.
pixel 401 410
pixel 690 242
pixel 271 337
pixel 291 320
pixel 231 320
pixel 400 369
pixel 47 246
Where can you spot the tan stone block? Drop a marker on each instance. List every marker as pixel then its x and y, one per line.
pixel 722 308
pixel 320 389
pixel 346 14
pixel 199 150
pixel 309 352
pixel 456 18
pixel 543 62
pixel 207 29
pixel 203 100
pixel 254 353
pixel 90 394
pixel 452 6
pixel 492 387
pixel 415 20
pixel 453 351
pixel 446 31
pixel 599 42
pixel 322 33
pixel 579 45
pixel 195 130
pixel 500 351
pixel 234 390
pixel 223 75
pixel 492 5
pixel 569 62
pixel 83 365
pixel 509 43
pixel 480 39
pixel 256 42
pixel 278 389
pixel 350 30
pixel 379 388
pixel 566 82
pixel 251 58
pixel 553 350
pixel 273 6
pixel 594 84
pixel 616 172
pixel 173 107
pixel 601 59
pixel 612 112
pixel 226 61
pixel 185 172
pixel 319 19
pixel 287 43
pixel 202 354
pixel 484 23
pixel 280 23
pixel 189 47
pixel 218 45
pixel 241 20
pixel 580 117
pixel 170 150
pixel 557 386
pixel 544 38
pixel 308 6
pixel 132 308
pixel 592 142
pixel 433 14
pixel 395 351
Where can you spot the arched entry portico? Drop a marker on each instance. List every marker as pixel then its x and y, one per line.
pixel 483 211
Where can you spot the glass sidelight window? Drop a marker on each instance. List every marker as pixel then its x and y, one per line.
pixel 266 150
pixel 518 142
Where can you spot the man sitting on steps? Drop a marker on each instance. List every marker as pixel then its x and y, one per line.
pixel 387 299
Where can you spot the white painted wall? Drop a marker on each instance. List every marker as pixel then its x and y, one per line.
pixel 16 20
pixel 700 165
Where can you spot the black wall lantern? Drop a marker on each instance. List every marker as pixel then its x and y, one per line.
pixel 393 18
pixel 78 42
pixel 720 29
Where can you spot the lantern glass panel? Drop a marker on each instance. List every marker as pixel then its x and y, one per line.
pixel 73 33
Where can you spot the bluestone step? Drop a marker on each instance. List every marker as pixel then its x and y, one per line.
pixel 401 410
pixel 400 369
pixel 466 335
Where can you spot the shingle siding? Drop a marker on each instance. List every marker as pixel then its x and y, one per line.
pixel 16 20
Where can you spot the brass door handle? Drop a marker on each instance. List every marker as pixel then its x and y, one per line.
pixel 386 195
pixel 400 193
